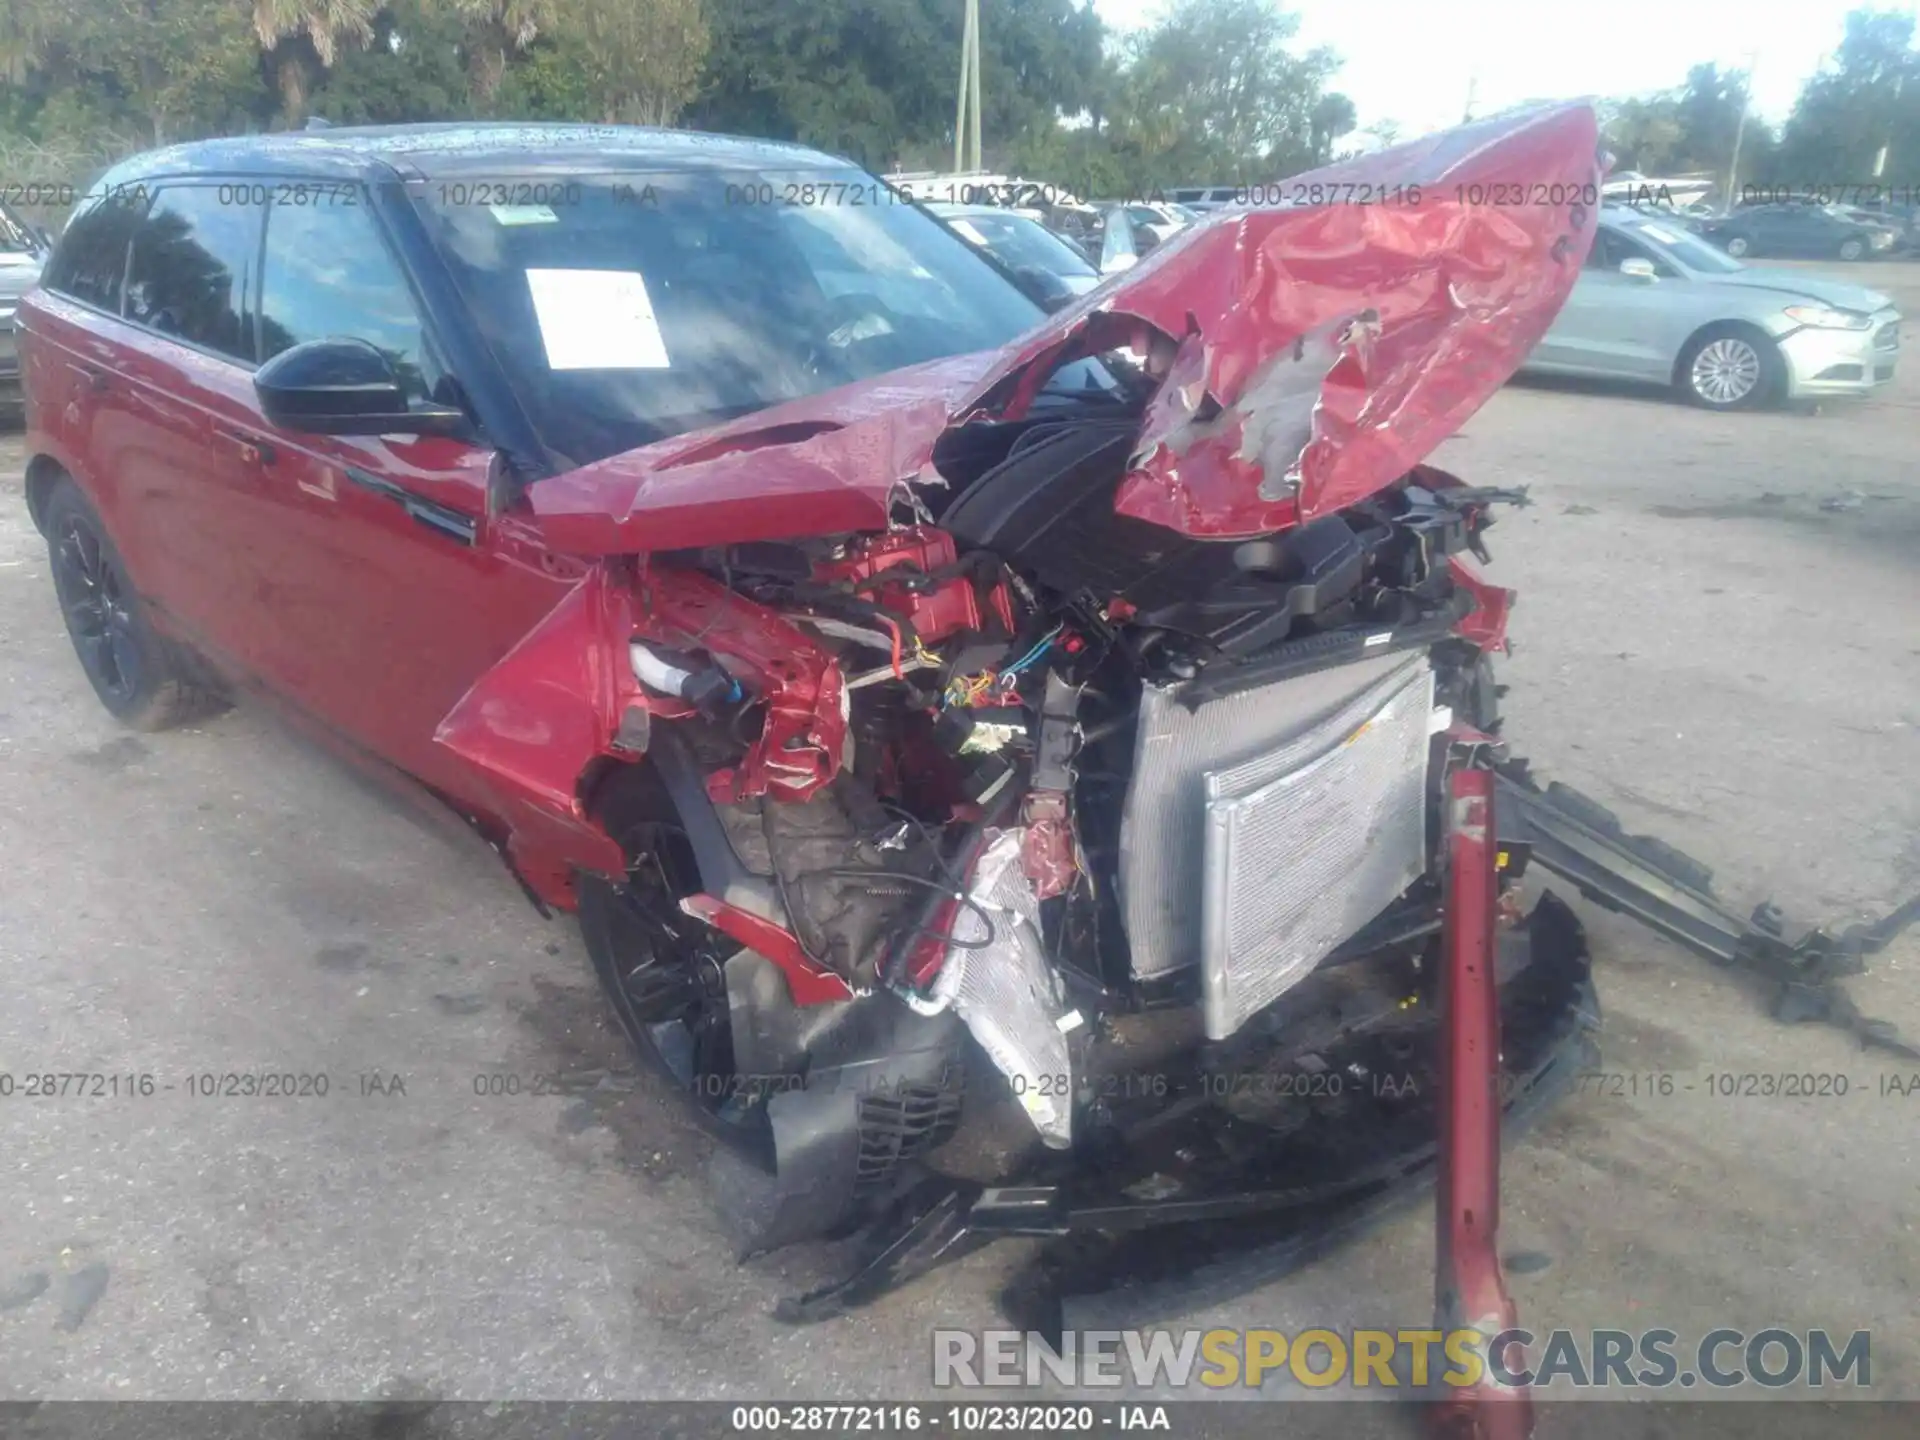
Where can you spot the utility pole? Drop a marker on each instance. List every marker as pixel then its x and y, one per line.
pixel 966 116
pixel 1473 89
pixel 1740 130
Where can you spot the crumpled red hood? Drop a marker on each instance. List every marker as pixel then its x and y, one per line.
pixel 1321 348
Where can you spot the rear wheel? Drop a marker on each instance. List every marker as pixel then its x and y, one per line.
pixel 144 681
pixel 1729 367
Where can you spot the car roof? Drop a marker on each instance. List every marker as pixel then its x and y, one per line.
pixel 499 149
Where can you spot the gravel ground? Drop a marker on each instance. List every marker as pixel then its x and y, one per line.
pixel 1717 637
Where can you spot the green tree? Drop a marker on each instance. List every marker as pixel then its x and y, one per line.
pixel 299 37
pixel 413 69
pixel 1214 93
pixel 614 61
pixel 1867 98
pixel 1332 116
pixel 876 79
pixel 858 77
pixel 147 71
pixel 497 32
pixel 1642 134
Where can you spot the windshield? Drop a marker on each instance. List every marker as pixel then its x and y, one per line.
pixel 1687 251
pixel 1020 242
pixel 630 309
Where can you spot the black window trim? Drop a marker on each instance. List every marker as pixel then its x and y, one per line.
pixel 150 186
pixel 154 189
pixel 383 236
pixel 93 200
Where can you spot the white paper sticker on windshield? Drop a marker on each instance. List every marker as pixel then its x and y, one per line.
pixel 597 320
pixel 1654 232
pixel 524 214
pixel 967 230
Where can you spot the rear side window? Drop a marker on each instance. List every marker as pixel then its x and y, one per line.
pixel 193 266
pixel 90 262
pixel 328 273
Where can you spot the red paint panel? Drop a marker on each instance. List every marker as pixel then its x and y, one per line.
pixel 1341 339
pixel 934 614
pixel 533 722
pixel 1487 625
pixel 804 736
pixel 752 479
pixel 807 981
pixel 1469 1289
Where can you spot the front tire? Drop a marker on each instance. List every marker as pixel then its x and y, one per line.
pixel 1729 367
pixel 1737 246
pixel 145 682
pixel 664 972
pixel 1852 249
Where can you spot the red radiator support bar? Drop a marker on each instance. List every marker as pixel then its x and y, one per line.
pixel 1469 1290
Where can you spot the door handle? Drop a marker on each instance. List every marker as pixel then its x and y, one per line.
pixel 254 449
pixel 94 378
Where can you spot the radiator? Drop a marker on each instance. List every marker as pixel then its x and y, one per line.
pixel 1264 828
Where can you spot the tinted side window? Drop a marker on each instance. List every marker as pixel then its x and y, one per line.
pixel 328 272
pixel 193 266
pixel 90 262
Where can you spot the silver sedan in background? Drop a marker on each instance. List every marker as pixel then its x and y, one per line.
pixel 1658 304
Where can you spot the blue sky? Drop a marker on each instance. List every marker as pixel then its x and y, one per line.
pixel 1408 61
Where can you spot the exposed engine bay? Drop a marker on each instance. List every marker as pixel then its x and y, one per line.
pixel 1033 766
pixel 1002 677
pixel 1060 791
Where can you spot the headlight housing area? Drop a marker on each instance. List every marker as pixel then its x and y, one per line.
pixel 1826 317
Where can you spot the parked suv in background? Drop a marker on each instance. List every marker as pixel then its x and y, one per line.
pixel 23 249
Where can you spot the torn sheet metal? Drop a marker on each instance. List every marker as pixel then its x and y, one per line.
pixel 1318 350
pixel 530 725
pixel 1007 992
pixel 803 739
pixel 567 696
pixel 1348 334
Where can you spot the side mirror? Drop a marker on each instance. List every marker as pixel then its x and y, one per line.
pixel 343 386
pixel 1639 269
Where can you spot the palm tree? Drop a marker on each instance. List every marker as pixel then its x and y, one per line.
pixel 324 25
pixel 497 29
pixel 24 29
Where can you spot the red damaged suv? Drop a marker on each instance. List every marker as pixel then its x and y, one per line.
pixel 1005 766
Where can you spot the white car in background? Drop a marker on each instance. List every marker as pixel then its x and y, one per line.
pixel 1658 304
pixel 23 248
